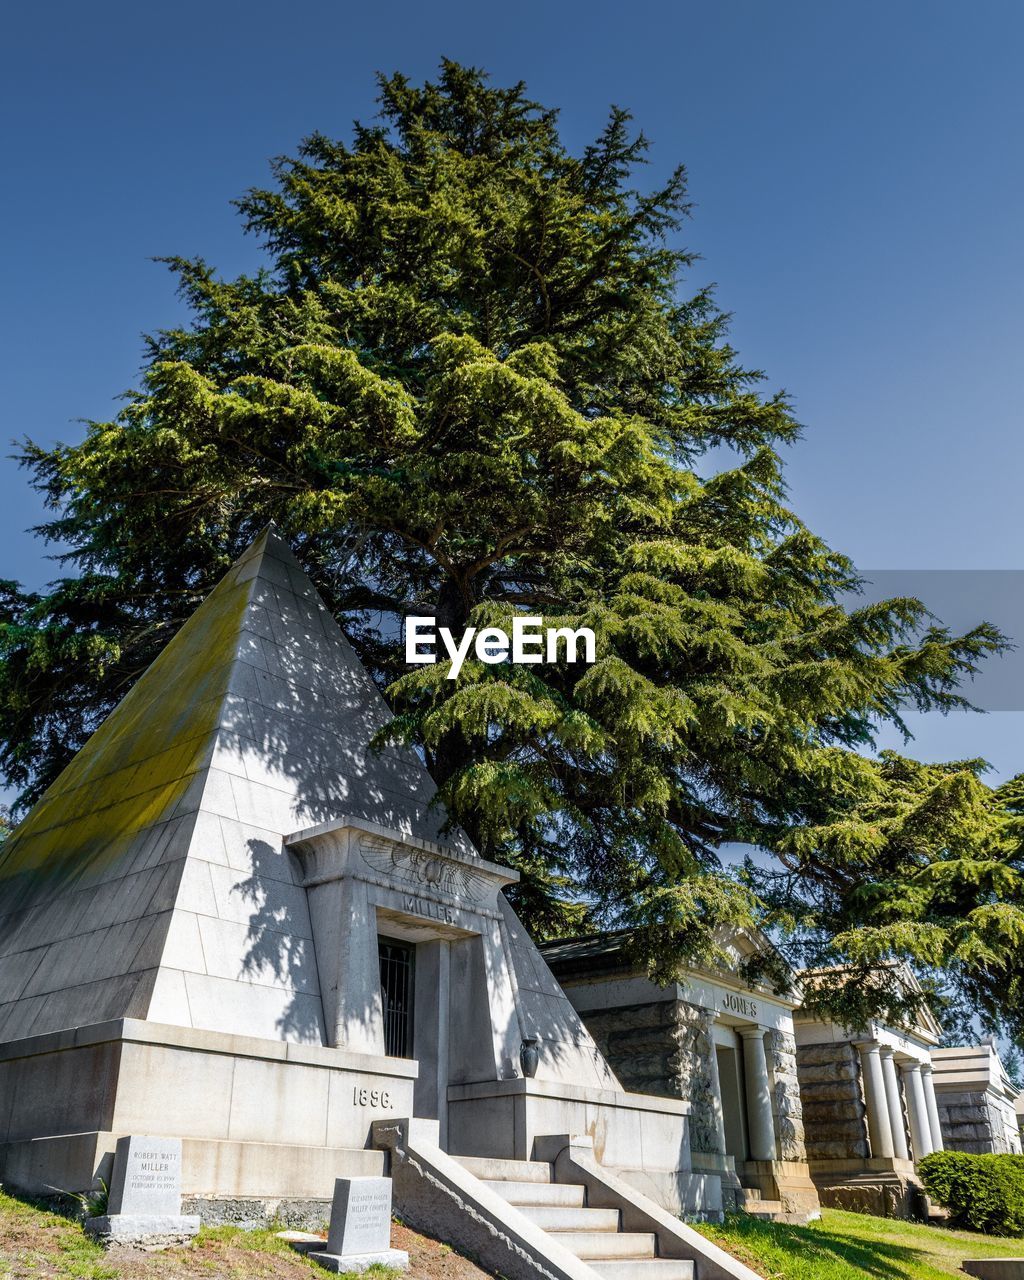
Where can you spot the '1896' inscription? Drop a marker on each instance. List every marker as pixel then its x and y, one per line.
pixel 372 1098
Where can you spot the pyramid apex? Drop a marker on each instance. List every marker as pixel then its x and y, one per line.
pixel 270 533
pixel 269 542
pixel 271 536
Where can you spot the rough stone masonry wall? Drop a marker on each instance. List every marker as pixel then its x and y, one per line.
pixel 662 1048
pixel 835 1127
pixel 787 1104
pixel 970 1123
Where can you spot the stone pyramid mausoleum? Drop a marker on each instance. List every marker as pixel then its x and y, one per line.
pixel 152 881
pixel 231 921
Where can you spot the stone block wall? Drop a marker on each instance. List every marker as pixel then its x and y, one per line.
pixel 970 1123
pixel 787 1104
pixel 663 1048
pixel 834 1114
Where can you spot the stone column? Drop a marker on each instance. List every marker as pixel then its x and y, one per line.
pixel 430 1032
pixel 345 941
pixel 879 1127
pixel 895 1104
pixel 716 1085
pixel 344 928
pixel 760 1125
pixel 932 1106
pixel 920 1129
pixel 503 1002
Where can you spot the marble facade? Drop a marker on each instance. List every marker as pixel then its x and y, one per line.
pixel 726 1048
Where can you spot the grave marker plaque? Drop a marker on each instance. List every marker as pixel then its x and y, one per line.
pixel 360 1216
pixel 147 1176
pixel 360 1230
pixel 144 1200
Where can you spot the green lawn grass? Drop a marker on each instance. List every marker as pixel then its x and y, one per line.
pixel 35 1241
pixel 54 1240
pixel 37 1244
pixel 43 1241
pixel 850 1246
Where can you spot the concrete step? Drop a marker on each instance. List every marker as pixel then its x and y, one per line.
pixel 645 1269
pixel 765 1209
pixel 492 1169
pixel 557 1218
pixel 567 1194
pixel 607 1245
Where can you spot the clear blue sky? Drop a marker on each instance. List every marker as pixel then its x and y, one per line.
pixel 856 168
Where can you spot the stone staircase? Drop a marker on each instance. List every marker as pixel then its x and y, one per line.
pixel 595 1236
pixel 750 1201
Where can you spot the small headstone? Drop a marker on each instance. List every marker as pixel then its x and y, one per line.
pixel 147 1176
pixel 360 1230
pixel 144 1201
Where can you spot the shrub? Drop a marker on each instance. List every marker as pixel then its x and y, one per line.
pixel 982 1193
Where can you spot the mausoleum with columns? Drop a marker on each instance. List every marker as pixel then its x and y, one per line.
pixel 709 1038
pixel 976 1100
pixel 870 1109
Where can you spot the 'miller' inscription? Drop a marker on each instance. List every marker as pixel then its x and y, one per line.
pixel 434 910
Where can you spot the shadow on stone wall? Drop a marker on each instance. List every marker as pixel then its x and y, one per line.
pixel 278 942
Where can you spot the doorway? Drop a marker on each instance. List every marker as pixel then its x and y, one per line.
pixel 734 1115
pixel 420 963
pixel 397 993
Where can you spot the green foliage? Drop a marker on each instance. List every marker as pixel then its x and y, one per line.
pixel 914 860
pixel 93 1203
pixel 1013 1065
pixel 982 1193
pixel 469 384
pixel 43 1238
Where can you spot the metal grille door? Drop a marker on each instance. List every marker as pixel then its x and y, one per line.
pixel 396 978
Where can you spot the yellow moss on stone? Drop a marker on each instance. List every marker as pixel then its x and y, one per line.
pixel 139 763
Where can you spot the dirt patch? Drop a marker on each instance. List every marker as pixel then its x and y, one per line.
pixel 431 1260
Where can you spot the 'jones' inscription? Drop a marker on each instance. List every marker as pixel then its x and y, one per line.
pixel 739 1004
